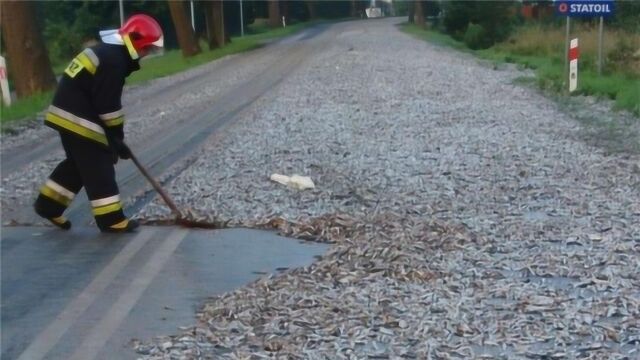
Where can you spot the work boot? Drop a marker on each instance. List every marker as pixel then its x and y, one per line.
pixel 125 226
pixel 59 221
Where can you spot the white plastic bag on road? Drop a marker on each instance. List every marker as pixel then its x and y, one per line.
pixel 295 181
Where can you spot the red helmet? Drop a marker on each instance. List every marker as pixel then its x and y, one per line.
pixel 141 34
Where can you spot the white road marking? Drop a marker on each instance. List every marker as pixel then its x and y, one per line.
pixel 102 331
pixel 50 336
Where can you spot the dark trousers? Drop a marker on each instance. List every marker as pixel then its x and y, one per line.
pixel 90 165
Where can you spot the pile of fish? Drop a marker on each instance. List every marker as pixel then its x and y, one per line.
pixel 401 286
pixel 468 215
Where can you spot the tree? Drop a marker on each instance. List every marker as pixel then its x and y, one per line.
pixel 274 13
pixel 492 21
pixel 419 14
pixel 209 26
pixel 330 9
pixel 27 56
pixel 216 35
pixel 412 11
pixel 311 8
pixel 627 16
pixel 68 25
pixel 186 38
pixel 286 10
pixel 353 12
pixel 232 22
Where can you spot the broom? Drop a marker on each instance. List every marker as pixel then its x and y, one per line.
pixel 180 219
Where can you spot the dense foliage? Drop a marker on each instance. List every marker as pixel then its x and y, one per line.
pixel 479 23
pixel 627 16
pixel 68 25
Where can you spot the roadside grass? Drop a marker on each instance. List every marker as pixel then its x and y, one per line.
pixel 24 108
pixel 169 63
pixel 434 37
pixel 541 48
pixel 172 61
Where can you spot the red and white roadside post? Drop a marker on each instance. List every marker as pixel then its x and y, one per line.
pixel 574 53
pixel 588 9
pixel 4 82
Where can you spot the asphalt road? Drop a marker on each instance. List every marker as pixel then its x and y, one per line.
pixel 86 295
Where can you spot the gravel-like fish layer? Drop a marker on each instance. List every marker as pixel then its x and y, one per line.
pixel 469 219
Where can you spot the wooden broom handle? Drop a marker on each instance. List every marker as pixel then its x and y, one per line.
pixel 156 186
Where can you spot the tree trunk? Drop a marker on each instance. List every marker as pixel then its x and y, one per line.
pixel 219 32
pixel 208 21
pixel 419 14
pixel 217 36
pixel 274 13
pixel 286 11
pixel 27 57
pixel 186 38
pixel 411 8
pixel 311 7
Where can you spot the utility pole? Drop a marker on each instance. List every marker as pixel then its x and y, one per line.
pixel 566 52
pixel 600 31
pixel 121 13
pixel 241 20
pixel 193 19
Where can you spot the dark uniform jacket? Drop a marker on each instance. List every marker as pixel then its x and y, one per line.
pixel 87 102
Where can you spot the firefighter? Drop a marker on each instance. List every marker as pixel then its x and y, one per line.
pixel 87 113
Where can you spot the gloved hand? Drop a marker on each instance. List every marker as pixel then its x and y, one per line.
pixel 121 148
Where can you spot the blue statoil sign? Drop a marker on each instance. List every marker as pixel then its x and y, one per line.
pixel 584 8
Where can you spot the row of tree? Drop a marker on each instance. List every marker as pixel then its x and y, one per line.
pixel 38 33
pixel 482 23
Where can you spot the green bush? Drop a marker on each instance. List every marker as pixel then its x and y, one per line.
pixel 457 16
pixel 476 37
pixel 495 17
pixel 627 16
pixel 627 98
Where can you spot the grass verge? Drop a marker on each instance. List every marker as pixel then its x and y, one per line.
pixel 170 63
pixel 24 108
pixel 540 49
